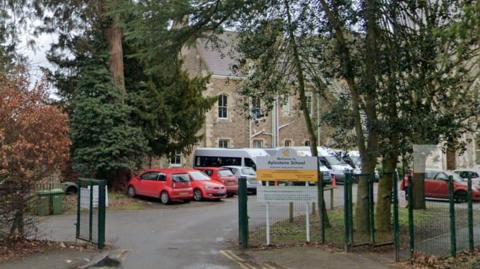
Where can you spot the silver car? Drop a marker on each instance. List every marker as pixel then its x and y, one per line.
pixel 249 173
pixel 472 173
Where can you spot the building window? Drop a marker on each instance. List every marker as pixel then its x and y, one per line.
pixel 288 143
pixel 477 149
pixel 223 143
pixel 256 108
pixel 222 107
pixel 307 143
pixel 257 143
pixel 308 99
pixel 176 158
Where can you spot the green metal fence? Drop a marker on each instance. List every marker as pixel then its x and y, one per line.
pixel 443 228
pixel 91 206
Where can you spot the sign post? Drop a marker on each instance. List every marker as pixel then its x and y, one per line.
pixel 287 167
pixel 267 214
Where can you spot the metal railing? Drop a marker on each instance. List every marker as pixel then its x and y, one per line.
pixel 91 205
pixel 443 228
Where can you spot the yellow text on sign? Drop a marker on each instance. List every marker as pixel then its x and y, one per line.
pixel 287 175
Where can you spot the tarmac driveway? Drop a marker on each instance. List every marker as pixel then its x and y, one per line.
pixel 175 236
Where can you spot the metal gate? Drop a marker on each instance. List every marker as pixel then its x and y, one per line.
pixel 91 206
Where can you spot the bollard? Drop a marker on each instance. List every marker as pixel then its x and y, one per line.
pixel 242 212
pixel 453 235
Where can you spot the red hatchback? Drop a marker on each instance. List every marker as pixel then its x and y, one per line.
pixel 206 188
pixel 224 176
pixel 167 184
pixel 436 186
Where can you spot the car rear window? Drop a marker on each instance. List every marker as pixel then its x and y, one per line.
pixel 197 175
pixel 248 171
pixel 225 173
pixel 180 178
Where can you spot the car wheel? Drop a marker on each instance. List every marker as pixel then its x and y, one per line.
pixel 461 196
pixel 131 191
pixel 230 195
pixel 164 198
pixel 71 190
pixel 197 195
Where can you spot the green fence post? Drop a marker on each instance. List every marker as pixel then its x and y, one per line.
pixel 321 203
pixel 371 209
pixel 90 215
pixel 77 233
pixel 471 243
pixel 346 210
pixel 242 212
pixel 411 231
pixel 350 214
pixel 453 235
pixel 101 214
pixel 396 224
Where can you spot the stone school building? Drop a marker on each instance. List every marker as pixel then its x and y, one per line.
pixel 227 124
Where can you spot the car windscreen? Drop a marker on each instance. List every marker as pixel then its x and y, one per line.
pixel 197 175
pixel 333 160
pixel 356 159
pixel 180 178
pixel 248 171
pixel 455 176
pixel 225 173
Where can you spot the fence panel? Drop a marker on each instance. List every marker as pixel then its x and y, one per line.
pixel 91 206
pixel 447 225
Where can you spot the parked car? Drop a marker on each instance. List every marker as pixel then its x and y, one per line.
pixel 473 174
pixel 436 186
pixel 353 159
pixel 171 184
pixel 206 188
pixel 224 176
pixel 249 173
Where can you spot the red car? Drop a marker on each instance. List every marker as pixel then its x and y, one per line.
pixel 436 186
pixel 224 176
pixel 206 188
pixel 167 184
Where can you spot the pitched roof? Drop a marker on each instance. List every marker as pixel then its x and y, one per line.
pixel 219 55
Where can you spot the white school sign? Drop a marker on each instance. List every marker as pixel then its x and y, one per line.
pixel 287 166
pixel 282 194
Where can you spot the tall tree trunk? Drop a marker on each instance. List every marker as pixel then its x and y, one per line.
pixel 370 154
pixel 451 155
pixel 367 149
pixel 303 104
pixel 383 214
pixel 114 37
pixel 418 180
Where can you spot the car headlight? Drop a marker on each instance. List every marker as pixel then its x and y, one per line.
pixel 209 187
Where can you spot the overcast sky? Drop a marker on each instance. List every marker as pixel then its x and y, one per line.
pixel 36 56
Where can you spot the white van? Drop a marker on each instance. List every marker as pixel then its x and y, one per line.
pixel 217 157
pixel 328 159
pixel 239 161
